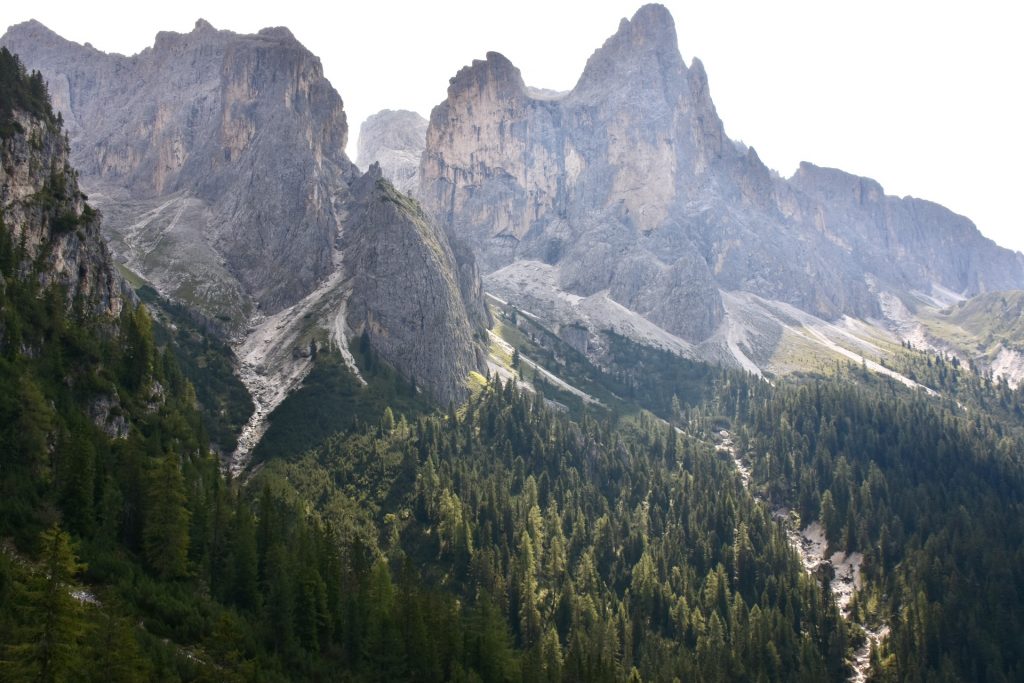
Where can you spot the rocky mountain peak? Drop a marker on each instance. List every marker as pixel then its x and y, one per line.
pixel 629 188
pixel 652 25
pixel 400 127
pixel 643 54
pixel 651 29
pixel 698 80
pixel 202 25
pixel 198 120
pixel 407 293
pixel 495 75
pixel 218 160
pixel 395 140
pixel 281 33
pixel 36 34
pixel 33 29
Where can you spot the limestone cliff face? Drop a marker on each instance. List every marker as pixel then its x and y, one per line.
pixel 395 140
pixel 576 180
pixel 904 239
pixel 44 211
pixel 218 160
pixel 239 134
pixel 629 184
pixel 485 135
pixel 405 287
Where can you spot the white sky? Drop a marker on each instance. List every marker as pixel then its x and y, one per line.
pixel 925 97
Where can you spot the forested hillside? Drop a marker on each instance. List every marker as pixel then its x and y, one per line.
pixel 599 549
pixel 510 538
pixel 932 497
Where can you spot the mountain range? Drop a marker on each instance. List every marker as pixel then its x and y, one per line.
pixel 225 390
pixel 218 161
pixel 622 204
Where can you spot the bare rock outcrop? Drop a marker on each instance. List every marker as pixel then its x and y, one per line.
pixel 54 232
pixel 232 146
pixel 628 184
pixel 218 160
pixel 405 290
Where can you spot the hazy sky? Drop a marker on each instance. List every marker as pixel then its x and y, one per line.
pixel 925 97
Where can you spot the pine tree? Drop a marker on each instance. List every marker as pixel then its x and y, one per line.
pixel 279 603
pixel 830 519
pixel 141 350
pixel 243 586
pixel 165 534
pixel 52 624
pixel 32 426
pixel 383 648
pixel 113 652
pixel 79 482
pixel 489 643
pixel 387 421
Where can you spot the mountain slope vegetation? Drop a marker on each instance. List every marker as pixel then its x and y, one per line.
pixel 526 534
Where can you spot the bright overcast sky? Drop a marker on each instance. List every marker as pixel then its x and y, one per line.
pixel 925 97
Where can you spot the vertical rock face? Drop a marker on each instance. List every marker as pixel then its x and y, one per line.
pixel 240 136
pixel 406 293
pixel 480 138
pixel 218 160
pixel 395 140
pixel 905 239
pixel 563 180
pixel 628 185
pixel 46 214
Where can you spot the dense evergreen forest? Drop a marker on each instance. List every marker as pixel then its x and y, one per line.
pixel 384 539
pixel 931 496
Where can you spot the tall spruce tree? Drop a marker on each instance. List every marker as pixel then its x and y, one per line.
pixel 165 533
pixel 46 644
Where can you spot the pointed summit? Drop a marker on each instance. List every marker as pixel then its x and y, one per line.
pixel 30 25
pixel 31 31
pixel 651 24
pixel 643 52
pixel 495 71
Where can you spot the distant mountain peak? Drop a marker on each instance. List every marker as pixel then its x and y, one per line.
pixel 651 23
pixel 642 56
pixel 495 68
pixel 34 30
pixel 628 187
pixel 278 32
pixel 394 139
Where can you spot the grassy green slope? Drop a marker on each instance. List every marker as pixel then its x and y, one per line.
pixel 979 324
